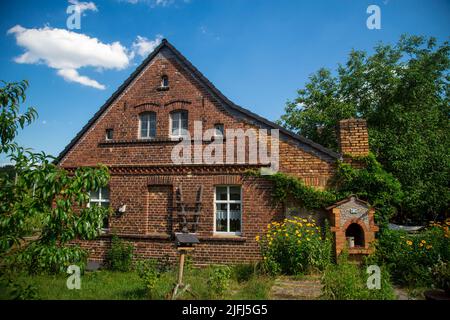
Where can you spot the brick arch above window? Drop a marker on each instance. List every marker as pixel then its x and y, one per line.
pixel 147 106
pixel 177 103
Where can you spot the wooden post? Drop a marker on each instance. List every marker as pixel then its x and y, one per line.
pixel 181 268
pixel 180 287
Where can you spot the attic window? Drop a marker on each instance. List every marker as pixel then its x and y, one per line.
pixel 109 134
pixel 164 82
pixel 219 130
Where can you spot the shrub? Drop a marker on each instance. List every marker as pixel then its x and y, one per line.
pixel 49 259
pixel 347 281
pixel 150 274
pixel 120 256
pixel 244 272
pixel 219 279
pixel 295 246
pixel 441 276
pixel 13 287
pixel 411 257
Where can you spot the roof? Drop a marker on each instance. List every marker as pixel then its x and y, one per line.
pixel 348 199
pixel 210 87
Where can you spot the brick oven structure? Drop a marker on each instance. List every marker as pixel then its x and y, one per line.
pixel 134 134
pixel 353 225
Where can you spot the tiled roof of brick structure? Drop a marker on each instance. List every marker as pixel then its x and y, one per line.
pixel 256 119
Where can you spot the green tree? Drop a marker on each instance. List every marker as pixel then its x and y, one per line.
pixel 54 198
pixel 402 91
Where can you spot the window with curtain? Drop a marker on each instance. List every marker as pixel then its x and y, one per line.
pixel 228 209
pixel 179 123
pixel 147 125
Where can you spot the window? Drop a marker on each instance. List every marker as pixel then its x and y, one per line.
pixel 228 209
pixel 147 125
pixel 219 130
pixel 179 123
pixel 100 198
pixel 164 82
pixel 109 134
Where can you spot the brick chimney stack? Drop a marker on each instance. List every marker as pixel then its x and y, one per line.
pixel 353 138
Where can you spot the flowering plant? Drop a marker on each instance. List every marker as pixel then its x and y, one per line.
pixel 294 246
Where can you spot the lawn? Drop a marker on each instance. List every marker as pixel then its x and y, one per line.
pixel 109 285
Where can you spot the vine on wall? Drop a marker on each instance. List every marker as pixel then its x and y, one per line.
pixel 371 183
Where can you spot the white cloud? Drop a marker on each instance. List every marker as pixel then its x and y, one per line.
pixel 156 3
pixel 71 75
pixel 142 46
pixel 67 51
pixel 84 6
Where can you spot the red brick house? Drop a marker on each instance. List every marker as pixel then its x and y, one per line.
pixel 132 134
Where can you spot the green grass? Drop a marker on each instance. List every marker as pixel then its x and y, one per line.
pixel 94 285
pixel 109 285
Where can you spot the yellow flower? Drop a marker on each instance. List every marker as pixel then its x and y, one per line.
pixel 420 244
pixel 423 241
pixel 429 247
pixel 270 243
pixel 409 243
pixel 307 239
pixel 257 238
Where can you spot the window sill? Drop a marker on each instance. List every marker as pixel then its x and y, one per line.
pixel 224 237
pixel 140 141
pixel 162 88
pixel 160 236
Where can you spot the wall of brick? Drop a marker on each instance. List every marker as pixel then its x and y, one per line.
pixel 257 211
pixel 353 140
pixel 145 179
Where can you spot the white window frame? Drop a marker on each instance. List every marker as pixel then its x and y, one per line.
pixel 106 134
pixel 222 134
pixel 164 82
pixel 148 125
pixel 228 201
pixel 100 200
pixel 180 121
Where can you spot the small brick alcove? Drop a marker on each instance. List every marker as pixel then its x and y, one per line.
pixel 352 222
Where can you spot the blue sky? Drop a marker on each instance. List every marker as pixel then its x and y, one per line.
pixel 258 53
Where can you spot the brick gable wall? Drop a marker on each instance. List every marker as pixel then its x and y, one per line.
pixel 144 178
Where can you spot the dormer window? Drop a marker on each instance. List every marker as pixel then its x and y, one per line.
pixel 147 125
pixel 164 82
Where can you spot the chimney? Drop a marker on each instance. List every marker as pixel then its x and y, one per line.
pixel 353 138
